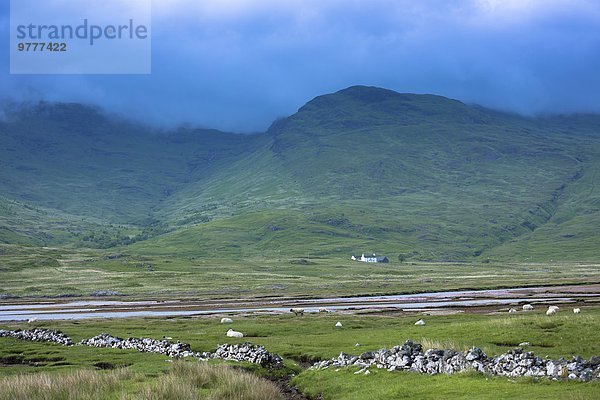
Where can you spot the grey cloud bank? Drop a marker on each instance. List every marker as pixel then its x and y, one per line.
pixel 239 64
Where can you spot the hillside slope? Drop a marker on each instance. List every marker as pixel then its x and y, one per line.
pixel 367 169
pixel 78 160
pixel 361 170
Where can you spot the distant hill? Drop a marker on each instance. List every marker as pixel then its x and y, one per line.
pixel 361 169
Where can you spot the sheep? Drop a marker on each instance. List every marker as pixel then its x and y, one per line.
pixel 297 311
pixel 552 310
pixel 512 311
pixel 31 320
pixel 323 309
pixel 420 322
pixel 527 307
pixel 338 324
pixel 226 320
pixel 235 334
pixel 576 310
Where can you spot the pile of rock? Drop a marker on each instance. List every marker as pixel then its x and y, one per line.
pixel 248 352
pixel 520 363
pixel 410 357
pixel 145 345
pixel 38 335
pixel 230 352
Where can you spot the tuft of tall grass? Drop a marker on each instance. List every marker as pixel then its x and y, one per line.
pixel 183 381
pixel 82 384
pixel 221 382
pixel 443 345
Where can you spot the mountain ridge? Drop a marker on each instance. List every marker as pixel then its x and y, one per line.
pixel 362 167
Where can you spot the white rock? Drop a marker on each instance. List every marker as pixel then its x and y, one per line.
pixel 338 324
pixel 420 322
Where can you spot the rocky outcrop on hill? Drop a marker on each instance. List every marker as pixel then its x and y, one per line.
pixel 411 357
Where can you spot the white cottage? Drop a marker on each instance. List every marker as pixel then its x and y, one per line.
pixel 370 259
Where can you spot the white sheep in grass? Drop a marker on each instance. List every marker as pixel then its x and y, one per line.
pixel 323 309
pixel 297 311
pixel 552 310
pixel 235 334
pixel 512 311
pixel 226 320
pixel 527 307
pixel 31 320
pixel 576 310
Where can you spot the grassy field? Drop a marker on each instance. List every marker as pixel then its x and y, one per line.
pixel 314 337
pixel 56 272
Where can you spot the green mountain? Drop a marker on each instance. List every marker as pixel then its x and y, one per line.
pixel 361 170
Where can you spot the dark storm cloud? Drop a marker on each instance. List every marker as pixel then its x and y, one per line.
pixel 239 64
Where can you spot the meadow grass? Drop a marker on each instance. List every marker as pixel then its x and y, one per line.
pixel 314 337
pixel 81 384
pixel 380 384
pixel 169 273
pixel 182 381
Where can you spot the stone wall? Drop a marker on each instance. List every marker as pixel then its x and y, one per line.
pixel 411 357
pixel 230 352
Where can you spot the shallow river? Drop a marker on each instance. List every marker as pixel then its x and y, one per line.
pixel 438 301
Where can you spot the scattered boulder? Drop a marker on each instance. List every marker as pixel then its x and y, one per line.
pixel 338 324
pixel 420 322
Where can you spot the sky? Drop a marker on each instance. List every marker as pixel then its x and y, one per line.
pixel 238 65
